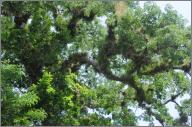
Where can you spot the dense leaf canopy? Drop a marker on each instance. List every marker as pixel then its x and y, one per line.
pixel 93 63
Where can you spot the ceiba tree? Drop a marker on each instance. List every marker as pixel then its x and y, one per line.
pixel 62 66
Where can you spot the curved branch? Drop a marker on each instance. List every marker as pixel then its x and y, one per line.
pixel 165 68
pixel 76 60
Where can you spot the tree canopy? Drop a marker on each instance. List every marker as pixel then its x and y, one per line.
pixel 91 62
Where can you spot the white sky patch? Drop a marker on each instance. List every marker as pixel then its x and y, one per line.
pixel 138 112
pixel 53 29
pixel 184 97
pixel 19 91
pixel 172 111
pixel 143 123
pixel 29 21
pixel 95 111
pixel 102 20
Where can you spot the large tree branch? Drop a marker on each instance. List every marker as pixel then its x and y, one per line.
pixel 102 65
pixel 76 60
pixel 110 48
pixel 166 68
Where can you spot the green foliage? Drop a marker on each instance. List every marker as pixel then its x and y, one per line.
pixel 18 103
pixel 63 64
pixel 36 114
pixel 45 83
pixel 27 99
pixel 11 73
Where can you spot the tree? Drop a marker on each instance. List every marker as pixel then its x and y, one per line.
pixel 61 66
